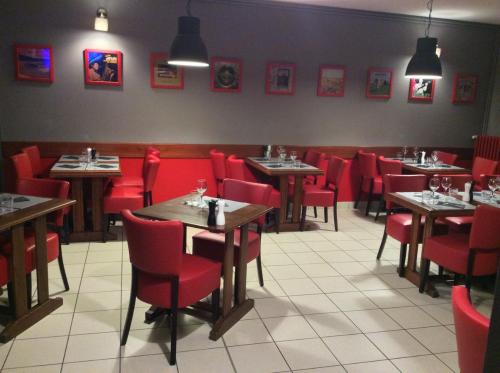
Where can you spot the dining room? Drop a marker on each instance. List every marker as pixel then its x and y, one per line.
pixel 250 186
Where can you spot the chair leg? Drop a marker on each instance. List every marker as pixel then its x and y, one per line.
pixel 105 226
pixel 303 218
pixel 402 259
pixel 359 193
pixel 326 214
pixel 335 221
pixel 440 271
pixel 369 201
pixel 62 269
pixel 259 271
pixel 173 319
pixel 424 274
pixel 11 295
pixel 29 290
pixel 131 307
pixel 277 213
pixel 315 212
pixel 215 304
pixel 382 245
pixel 470 270
pixel 65 229
pixel 380 205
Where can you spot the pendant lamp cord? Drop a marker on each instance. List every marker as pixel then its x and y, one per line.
pixel 429 21
pixel 188 8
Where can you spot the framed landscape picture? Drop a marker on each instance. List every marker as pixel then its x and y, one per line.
pixel 421 90
pixel 102 67
pixel 163 75
pixel 34 63
pixel 226 74
pixel 464 88
pixel 379 83
pixel 331 81
pixel 280 78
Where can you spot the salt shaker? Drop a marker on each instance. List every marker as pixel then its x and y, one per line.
pixel 89 155
pixel 221 219
pixel 467 191
pixel 422 160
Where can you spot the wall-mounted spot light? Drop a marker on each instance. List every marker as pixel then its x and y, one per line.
pixel 101 20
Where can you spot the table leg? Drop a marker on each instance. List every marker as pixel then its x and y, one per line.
pixel 97 202
pixel 227 269
pixel 42 270
pixel 19 275
pixel 241 266
pixel 78 207
pixel 429 224
pixel 284 198
pixel 297 198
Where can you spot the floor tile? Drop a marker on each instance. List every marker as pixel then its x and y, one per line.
pixel 421 364
pixel 247 332
pixel 195 337
pixel 367 282
pixel 315 303
pixel 37 369
pixel 262 358
pixel 350 245
pixel 451 360
pixel 350 269
pixel 388 298
pixel 101 366
pixel 319 270
pixel 384 366
pixel 311 236
pixel 147 342
pixel 69 303
pixel 372 321
pixel 274 307
pixel 104 256
pixel 103 283
pixel 441 312
pixel 352 301
pixel 362 255
pixel 306 258
pixel 422 299
pixel 32 352
pixel 334 369
pixel 331 324
pixel 108 300
pixel 96 322
pixel 307 353
pixel 349 349
pixel 288 328
pixel 335 236
pixel 396 282
pixel 72 270
pixel 4 351
pixel 320 246
pixel 92 347
pixel 51 326
pixel 299 286
pixel 294 247
pixel 206 361
pixel 270 289
pixel 102 269
pixel 146 364
pixel 337 256
pixel 436 339
pixel 56 286
pixel 411 317
pixel 334 284
pixel 396 344
pixel 286 272
pixel 379 266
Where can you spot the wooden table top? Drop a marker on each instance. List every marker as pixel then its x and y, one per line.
pixel 176 209
pixel 413 202
pixel 273 167
pixel 29 213
pixel 79 170
pixel 431 170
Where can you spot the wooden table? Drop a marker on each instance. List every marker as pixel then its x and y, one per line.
pixel 273 169
pixel 414 168
pixel 419 209
pixel 176 209
pixel 97 174
pixel 23 317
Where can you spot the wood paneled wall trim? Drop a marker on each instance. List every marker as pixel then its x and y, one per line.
pixel 136 150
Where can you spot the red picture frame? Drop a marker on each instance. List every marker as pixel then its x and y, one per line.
pixel 379 83
pixel 34 62
pixel 103 67
pixel 280 78
pixel 464 88
pixel 226 74
pixel 421 90
pixel 162 75
pixel 331 81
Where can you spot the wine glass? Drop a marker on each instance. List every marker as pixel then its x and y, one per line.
pixel 493 185
pixel 404 151
pixel 282 155
pixel 434 183
pixel 293 156
pixel 434 157
pixel 201 188
pixel 416 150
pixel 446 183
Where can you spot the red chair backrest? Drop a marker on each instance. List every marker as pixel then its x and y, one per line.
pixel 448 158
pixel 457 181
pixel 218 165
pixel 152 164
pixel 151 150
pixel 48 188
pixel 335 171
pixel 471 329
pixel 403 183
pixel 485 229
pixel 482 166
pixel 245 191
pixel 367 165
pixel 34 155
pixel 235 168
pixel 22 166
pixel 313 158
pixel 389 166
pixel 155 247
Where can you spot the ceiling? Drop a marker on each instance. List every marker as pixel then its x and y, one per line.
pixel 483 11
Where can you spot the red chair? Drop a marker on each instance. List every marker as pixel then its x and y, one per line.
pixel 152 166
pixel 137 181
pixel 315 159
pixel 219 169
pixel 471 329
pixel 371 181
pixel 22 166
pixel 386 167
pixel 211 245
pixel 470 255
pixel 481 168
pixel 325 195
pixel 33 154
pixel 447 158
pixel 163 275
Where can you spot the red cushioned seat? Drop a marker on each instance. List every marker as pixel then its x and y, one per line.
pixel 370 180
pixel 399 227
pixel 122 181
pixel 117 199
pixel 459 223
pixel 315 195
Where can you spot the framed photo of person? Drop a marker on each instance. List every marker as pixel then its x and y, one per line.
pixel 421 90
pixel 163 75
pixel 34 63
pixel 379 83
pixel 226 74
pixel 280 78
pixel 102 67
pixel 464 88
pixel 331 81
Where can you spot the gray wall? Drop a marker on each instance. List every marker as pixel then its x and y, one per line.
pixel 493 125
pixel 68 110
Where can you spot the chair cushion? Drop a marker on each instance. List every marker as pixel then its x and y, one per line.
pixel 377 185
pixel 459 223
pixel 452 250
pixel 211 245
pixel 198 278
pixel 399 227
pixel 121 181
pixel 275 199
pixel 117 199
pixel 315 195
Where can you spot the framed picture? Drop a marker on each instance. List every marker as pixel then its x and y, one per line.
pixel 163 75
pixel 34 63
pixel 102 67
pixel 421 90
pixel 226 74
pixel 280 78
pixel 331 81
pixel 464 88
pixel 379 83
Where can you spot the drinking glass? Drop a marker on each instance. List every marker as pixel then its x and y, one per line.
pixel 404 151
pixel 434 183
pixel 434 157
pixel 293 156
pixel 201 188
pixel 416 150
pixel 446 183
pixel 492 184
pixel 7 201
pixel 282 156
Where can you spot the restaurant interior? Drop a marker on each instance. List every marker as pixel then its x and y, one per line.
pixel 250 186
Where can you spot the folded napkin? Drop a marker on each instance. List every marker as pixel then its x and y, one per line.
pixel 71 157
pixel 105 166
pixel 20 199
pixel 72 166
pixel 452 204
pixel 104 157
pixel 423 165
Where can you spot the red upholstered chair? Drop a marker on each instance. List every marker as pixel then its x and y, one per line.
pixel 371 181
pixel 315 159
pixel 211 245
pixel 476 254
pixel 22 166
pixel 325 195
pixel 33 154
pixel 219 169
pixel 152 165
pixel 447 158
pixel 398 224
pixel 386 167
pixel 482 166
pixel 137 181
pixel 164 276
pixel 471 329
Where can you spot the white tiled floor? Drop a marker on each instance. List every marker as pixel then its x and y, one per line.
pixel 327 306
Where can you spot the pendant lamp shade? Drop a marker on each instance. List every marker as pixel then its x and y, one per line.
pixel 425 64
pixel 188 48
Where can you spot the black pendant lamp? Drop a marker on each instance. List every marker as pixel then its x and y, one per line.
pixel 188 48
pixel 425 63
